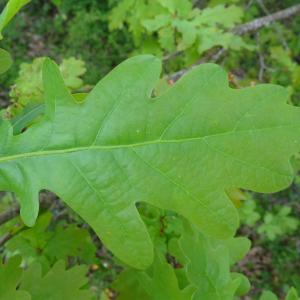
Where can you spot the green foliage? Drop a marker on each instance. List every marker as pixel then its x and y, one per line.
pixel 200 269
pixel 291 295
pixel 288 67
pixel 248 213
pixel 278 224
pixel 56 284
pixel 88 37
pixel 45 245
pixel 208 264
pixel 76 29
pixel 267 295
pixel 191 150
pixel 273 224
pixel 10 276
pixel 10 10
pixel 157 283
pixel 125 149
pixel 71 70
pixel 178 26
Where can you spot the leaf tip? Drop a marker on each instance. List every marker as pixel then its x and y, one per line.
pixel 48 65
pixel 29 211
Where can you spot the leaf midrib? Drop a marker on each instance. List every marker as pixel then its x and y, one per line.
pixel 133 145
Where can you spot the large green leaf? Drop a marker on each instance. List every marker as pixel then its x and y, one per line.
pixel 179 151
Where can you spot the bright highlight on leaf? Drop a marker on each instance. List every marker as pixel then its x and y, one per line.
pixel 180 151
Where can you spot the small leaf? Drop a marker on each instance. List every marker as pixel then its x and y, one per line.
pixel 267 295
pixel 71 70
pixel 5 61
pixel 181 7
pixel 212 36
pixel 166 38
pixel 46 246
pixel 157 23
pixel 119 13
pixel 30 242
pixel 238 248
pixel 57 284
pixel 292 294
pixel 10 277
pixel 230 15
pixel 244 284
pixel 188 32
pixel 71 241
pixel 248 213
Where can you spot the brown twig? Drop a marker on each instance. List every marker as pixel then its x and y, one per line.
pixel 46 199
pixel 5 238
pixel 261 58
pixel 275 26
pixel 267 20
pixel 214 56
pixel 9 214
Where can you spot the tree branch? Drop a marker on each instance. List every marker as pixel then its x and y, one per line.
pixel 9 214
pixel 214 56
pixel 46 199
pixel 267 20
pixel 5 238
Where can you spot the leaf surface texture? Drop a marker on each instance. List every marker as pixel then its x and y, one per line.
pixel 179 151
